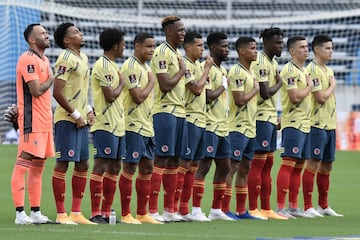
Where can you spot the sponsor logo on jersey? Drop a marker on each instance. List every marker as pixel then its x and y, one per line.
pixel 132 78
pixel 30 68
pixel 162 64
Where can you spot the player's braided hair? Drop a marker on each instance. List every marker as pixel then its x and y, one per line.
pixel 268 33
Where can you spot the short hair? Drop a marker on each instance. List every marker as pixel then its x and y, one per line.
pixel 268 33
pixel 141 36
pixel 319 40
pixel 215 38
pixel 241 41
pixel 169 20
pixel 290 42
pixel 110 37
pixel 190 36
pixel 60 33
pixel 29 30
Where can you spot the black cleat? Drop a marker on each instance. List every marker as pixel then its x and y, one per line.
pixel 98 219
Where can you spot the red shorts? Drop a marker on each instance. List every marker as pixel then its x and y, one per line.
pixel 40 145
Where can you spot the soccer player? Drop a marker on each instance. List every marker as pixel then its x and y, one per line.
pixel 140 145
pixel 243 88
pixel 323 125
pixel 195 104
pixel 34 78
pixel 72 118
pixel 295 125
pixel 109 126
pixel 265 70
pixel 216 136
pixel 169 117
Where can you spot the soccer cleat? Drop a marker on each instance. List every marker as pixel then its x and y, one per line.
pixel 129 219
pixel 80 219
pixel 218 214
pixel 23 219
pixel 328 211
pixel 312 213
pixel 157 217
pixel 296 212
pixel 172 217
pixel 247 215
pixel 232 215
pixel 38 218
pixel 256 213
pixel 282 212
pixel 147 219
pixel 63 218
pixel 98 219
pixel 199 217
pixel 187 217
pixel 270 214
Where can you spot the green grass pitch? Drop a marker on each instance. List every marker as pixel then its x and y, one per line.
pixel 344 197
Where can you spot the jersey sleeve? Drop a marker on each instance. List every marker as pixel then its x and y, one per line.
pixel 161 63
pixel 64 67
pixel 29 69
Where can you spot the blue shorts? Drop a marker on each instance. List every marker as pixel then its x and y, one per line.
pixel 138 147
pixel 265 137
pixel 241 146
pixel 71 143
pixel 323 144
pixel 108 146
pixel 196 143
pixel 216 147
pixel 295 143
pixel 170 135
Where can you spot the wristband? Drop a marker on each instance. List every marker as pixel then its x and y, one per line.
pixel 89 109
pixel 75 115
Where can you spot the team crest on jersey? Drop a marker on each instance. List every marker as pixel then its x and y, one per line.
pixel 291 81
pixel 109 78
pixel 135 154
pixel 207 81
pixel 165 148
pixel 61 70
pixel 237 153
pixel 162 64
pixel 295 150
pixel 265 143
pixel 316 82
pixel 187 73
pixel 239 82
pixel 132 78
pixel 210 149
pixel 262 72
pixel 30 68
pixel 71 153
pixel 107 150
pixel 317 151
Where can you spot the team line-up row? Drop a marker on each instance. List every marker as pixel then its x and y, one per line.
pixel 170 120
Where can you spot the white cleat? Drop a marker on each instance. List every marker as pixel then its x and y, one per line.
pixel 157 217
pixel 38 218
pixel 23 219
pixel 296 212
pixel 312 213
pixel 218 214
pixel 172 217
pixel 328 211
pixel 199 217
pixel 282 212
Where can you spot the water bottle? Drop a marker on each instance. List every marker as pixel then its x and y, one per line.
pixel 112 217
